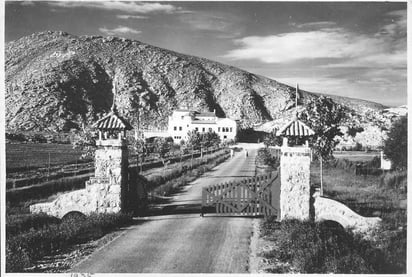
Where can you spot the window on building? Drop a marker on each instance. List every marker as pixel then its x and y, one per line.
pixel 218 129
pixel 231 130
pixel 175 128
pixel 180 128
pixel 225 137
pixel 203 129
pixel 197 129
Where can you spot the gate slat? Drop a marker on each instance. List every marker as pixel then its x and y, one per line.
pixel 251 196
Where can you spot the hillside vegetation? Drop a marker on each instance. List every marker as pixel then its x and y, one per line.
pixel 56 81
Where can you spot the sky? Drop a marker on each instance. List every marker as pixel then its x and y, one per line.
pixel 353 49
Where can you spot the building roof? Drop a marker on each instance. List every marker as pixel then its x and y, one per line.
pixel 112 121
pixel 203 122
pixel 205 114
pixel 295 128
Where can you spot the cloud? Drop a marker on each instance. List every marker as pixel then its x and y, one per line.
pixel 324 43
pixel 226 26
pixel 316 25
pixel 126 16
pixel 205 21
pixel 340 46
pixel 130 7
pixel 22 3
pixel 397 26
pixel 122 30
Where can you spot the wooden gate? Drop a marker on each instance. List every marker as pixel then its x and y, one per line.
pixel 254 196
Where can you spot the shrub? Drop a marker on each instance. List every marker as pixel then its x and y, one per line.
pixel 395 180
pixel 15 137
pixel 318 248
pixel 395 254
pixel 22 222
pixel 264 157
pixel 396 145
pixel 40 241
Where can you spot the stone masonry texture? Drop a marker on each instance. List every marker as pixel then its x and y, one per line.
pixel 295 183
pixel 103 192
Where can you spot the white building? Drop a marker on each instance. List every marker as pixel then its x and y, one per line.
pixel 183 121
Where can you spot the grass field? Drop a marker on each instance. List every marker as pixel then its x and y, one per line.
pixel 308 247
pixel 367 195
pixel 34 155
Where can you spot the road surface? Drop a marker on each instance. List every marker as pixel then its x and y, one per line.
pixel 183 243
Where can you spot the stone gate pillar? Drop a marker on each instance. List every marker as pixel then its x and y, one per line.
pixel 295 183
pixel 111 162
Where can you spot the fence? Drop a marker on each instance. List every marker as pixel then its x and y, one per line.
pixel 254 196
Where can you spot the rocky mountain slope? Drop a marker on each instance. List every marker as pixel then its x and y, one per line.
pixel 56 81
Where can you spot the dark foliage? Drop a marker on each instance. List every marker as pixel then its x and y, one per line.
pixel 319 248
pixel 265 157
pixel 396 145
pixel 272 140
pixel 24 248
pixel 323 115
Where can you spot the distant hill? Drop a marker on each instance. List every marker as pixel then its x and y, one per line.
pixel 56 81
pixel 399 111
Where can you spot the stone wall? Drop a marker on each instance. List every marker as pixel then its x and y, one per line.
pixel 328 209
pixel 104 193
pixel 99 196
pixel 295 183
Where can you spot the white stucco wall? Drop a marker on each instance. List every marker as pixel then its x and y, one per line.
pixel 180 123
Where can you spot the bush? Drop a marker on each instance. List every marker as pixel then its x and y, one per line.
pixel 15 137
pixel 395 180
pixel 38 241
pixel 396 145
pixel 395 254
pixel 317 248
pixel 20 223
pixel 264 157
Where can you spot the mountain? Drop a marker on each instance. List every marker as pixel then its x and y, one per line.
pixel 397 111
pixel 56 81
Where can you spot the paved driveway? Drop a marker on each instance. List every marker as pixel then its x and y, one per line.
pixel 183 243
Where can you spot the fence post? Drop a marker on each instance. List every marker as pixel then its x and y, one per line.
pixel 321 176
pixel 203 202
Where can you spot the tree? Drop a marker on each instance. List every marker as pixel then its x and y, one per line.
pixel 396 145
pixel 199 141
pixel 139 147
pixel 86 142
pixel 323 116
pixel 193 141
pixel 210 139
pixel 371 137
pixel 162 147
pixel 272 139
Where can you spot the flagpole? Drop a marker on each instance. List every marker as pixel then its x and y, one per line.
pixel 296 98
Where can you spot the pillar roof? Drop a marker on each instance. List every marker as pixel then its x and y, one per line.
pixel 112 121
pixel 295 128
